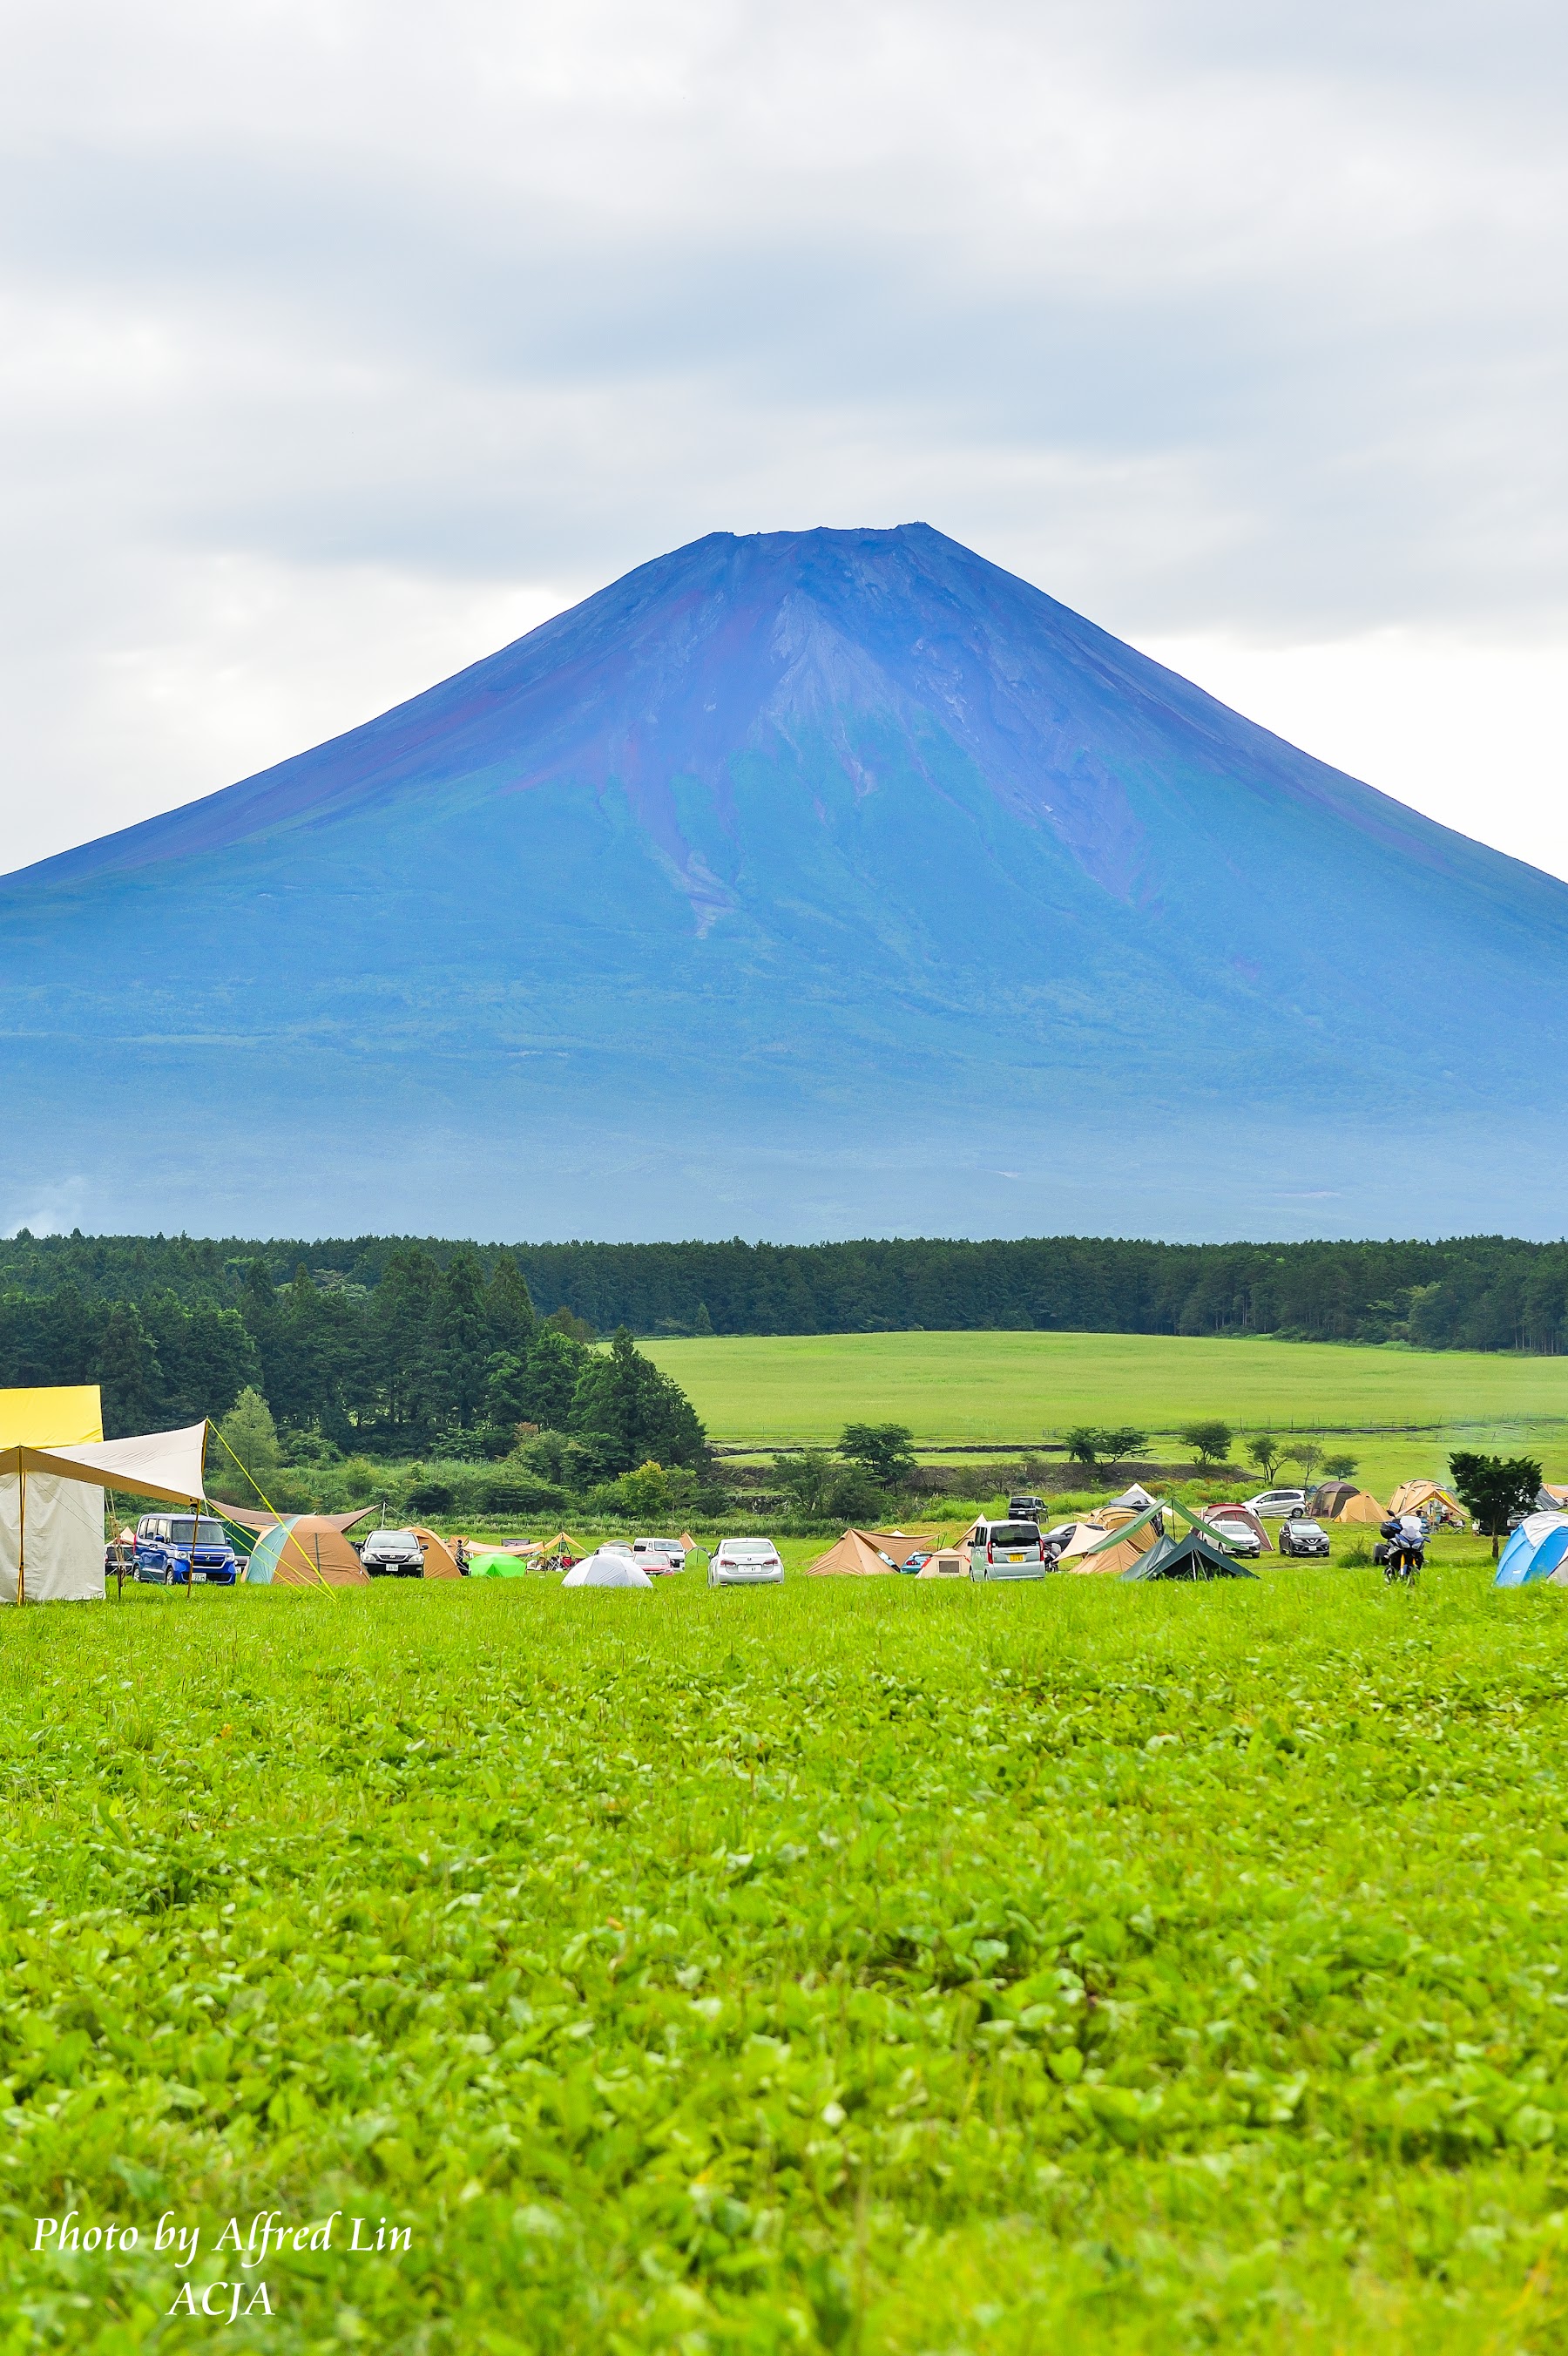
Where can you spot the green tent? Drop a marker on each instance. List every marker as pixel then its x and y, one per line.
pixel 1193 1557
pixel 498 1566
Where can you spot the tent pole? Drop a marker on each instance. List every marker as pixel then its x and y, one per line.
pixel 21 1536
pixel 191 1567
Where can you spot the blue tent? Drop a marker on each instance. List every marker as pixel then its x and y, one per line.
pixel 1536 1551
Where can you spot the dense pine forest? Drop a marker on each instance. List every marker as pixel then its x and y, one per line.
pixel 399 1339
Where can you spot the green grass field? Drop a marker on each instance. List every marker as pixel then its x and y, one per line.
pixel 1019 1387
pixel 855 1966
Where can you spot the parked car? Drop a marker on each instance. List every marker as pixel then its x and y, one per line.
pixel 1007 1550
pixel 184 1550
pixel 660 1558
pixel 745 1563
pixel 1236 1536
pixel 392 1554
pixel 1301 1536
pixel 1025 1509
pixel 1275 1505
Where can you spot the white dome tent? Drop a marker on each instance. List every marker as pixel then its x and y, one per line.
pixel 608 1565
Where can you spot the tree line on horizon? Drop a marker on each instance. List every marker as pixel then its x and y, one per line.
pixel 1478 1293
pixel 391 1344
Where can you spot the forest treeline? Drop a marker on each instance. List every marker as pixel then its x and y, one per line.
pixel 396 1343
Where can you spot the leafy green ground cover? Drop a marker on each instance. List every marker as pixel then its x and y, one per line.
pixel 863 1966
pixel 1018 1387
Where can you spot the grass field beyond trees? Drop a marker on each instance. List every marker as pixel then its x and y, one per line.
pixel 865 1967
pixel 1019 1387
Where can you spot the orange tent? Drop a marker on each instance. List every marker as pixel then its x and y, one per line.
pixel 305 1550
pixel 869 1554
pixel 439 1562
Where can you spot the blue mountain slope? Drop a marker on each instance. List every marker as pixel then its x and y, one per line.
pixel 822 882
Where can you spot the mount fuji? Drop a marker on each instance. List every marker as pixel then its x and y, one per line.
pixel 800 884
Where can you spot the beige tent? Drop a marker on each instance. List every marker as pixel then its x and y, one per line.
pixel 869 1554
pixel 439 1562
pixel 1360 1508
pixel 304 1550
pixel 1428 1498
pixel 1098 1526
pixel 692 1546
pixel 947 1562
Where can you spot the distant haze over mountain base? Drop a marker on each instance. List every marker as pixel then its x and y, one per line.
pixel 143 1153
pixel 804 885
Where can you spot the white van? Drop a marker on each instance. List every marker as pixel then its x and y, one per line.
pixel 1005 1550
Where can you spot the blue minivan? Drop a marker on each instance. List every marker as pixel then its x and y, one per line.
pixel 180 1550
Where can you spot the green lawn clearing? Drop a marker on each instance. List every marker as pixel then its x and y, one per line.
pixel 870 1967
pixel 1023 1386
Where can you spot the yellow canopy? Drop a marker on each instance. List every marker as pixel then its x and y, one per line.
pixel 66 1417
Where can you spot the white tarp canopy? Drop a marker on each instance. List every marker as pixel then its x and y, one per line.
pixel 609 1567
pixel 165 1465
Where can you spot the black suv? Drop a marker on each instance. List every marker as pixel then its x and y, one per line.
pixel 1025 1509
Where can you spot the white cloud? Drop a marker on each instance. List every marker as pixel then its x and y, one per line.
pixel 338 341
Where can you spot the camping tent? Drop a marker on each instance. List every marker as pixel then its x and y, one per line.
pixel 1120 1550
pixel 1136 1498
pixel 256 1519
pixel 1084 1553
pixel 1553 1498
pixel 1341 1501
pixel 611 1566
pixel 692 1546
pixel 496 1562
pixel 1192 1557
pixel 439 1562
pixel 1537 1550
pixel 304 1550
pixel 947 1562
pixel 1430 1500
pixel 869 1554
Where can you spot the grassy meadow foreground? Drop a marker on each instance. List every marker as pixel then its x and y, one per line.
pixel 870 1967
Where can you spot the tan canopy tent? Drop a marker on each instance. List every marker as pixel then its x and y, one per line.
pixel 1087 1551
pixel 439 1562
pixel 1429 1499
pixel 1361 1507
pixel 257 1517
pixel 947 1562
pixel 869 1554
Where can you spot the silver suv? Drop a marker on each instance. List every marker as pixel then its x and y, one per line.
pixel 1007 1550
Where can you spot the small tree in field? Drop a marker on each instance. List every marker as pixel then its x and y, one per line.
pixel 886 1451
pixel 1341 1467
pixel 1491 1488
pixel 1267 1452
pixel 1306 1459
pixel 1085 1444
pixel 1122 1443
pixel 1210 1442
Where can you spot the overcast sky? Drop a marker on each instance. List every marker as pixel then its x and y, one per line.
pixel 340 342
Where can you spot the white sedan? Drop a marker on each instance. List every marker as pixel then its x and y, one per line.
pixel 745 1563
